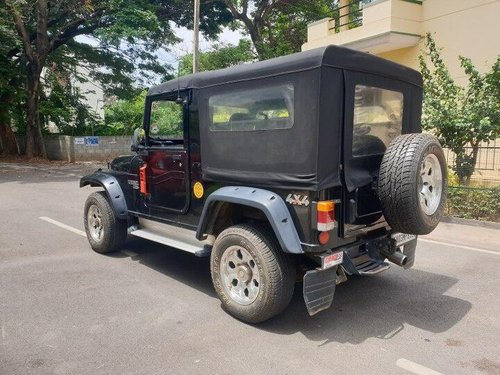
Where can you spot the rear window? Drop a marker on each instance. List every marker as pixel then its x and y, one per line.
pixel 267 108
pixel 378 119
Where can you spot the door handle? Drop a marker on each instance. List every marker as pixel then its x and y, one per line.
pixel 176 157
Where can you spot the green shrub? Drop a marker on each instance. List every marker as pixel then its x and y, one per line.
pixel 474 203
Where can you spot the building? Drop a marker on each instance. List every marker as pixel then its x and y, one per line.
pixel 393 29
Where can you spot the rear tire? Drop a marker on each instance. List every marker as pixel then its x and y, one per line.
pixel 105 232
pixel 412 183
pixel 252 276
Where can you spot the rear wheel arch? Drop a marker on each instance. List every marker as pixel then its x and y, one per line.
pixel 232 205
pixel 226 214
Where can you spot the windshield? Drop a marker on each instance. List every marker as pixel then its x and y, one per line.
pixel 166 120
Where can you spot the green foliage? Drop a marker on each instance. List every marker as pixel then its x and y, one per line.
pixel 462 118
pixel 474 203
pixel 121 51
pixel 279 27
pixel 221 56
pixel 123 116
pixel 166 119
pixel 285 29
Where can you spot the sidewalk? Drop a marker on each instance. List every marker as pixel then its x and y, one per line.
pixel 466 235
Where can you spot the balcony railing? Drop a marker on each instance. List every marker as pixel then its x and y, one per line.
pixel 349 15
pixel 373 26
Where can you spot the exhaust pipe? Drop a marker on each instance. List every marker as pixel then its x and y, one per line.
pixel 398 258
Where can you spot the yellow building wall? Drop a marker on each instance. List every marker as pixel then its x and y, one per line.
pixel 470 28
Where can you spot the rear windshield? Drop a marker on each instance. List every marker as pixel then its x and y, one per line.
pixel 378 119
pixel 267 108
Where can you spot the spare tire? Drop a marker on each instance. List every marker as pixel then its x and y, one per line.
pixel 413 183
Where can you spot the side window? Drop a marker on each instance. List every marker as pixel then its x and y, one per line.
pixel 378 119
pixel 266 108
pixel 166 120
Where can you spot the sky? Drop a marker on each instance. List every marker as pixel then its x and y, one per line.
pixel 186 45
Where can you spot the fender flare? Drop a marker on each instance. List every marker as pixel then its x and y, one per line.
pixel 271 204
pixel 112 188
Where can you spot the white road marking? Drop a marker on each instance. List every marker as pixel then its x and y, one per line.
pixel 460 246
pixel 62 225
pixel 415 368
pixel 80 232
pixel 129 253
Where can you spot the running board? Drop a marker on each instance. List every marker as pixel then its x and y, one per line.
pixel 173 236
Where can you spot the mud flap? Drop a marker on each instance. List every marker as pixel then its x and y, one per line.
pixel 318 289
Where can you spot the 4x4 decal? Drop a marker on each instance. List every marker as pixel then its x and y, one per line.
pixel 297 199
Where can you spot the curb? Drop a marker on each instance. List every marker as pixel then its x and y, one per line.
pixel 474 223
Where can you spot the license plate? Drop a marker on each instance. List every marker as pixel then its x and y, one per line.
pixel 332 260
pixel 402 238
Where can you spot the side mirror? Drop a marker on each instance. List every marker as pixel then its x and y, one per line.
pixel 137 138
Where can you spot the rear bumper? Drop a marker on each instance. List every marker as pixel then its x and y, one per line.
pixel 366 257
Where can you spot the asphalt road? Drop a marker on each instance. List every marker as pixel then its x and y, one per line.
pixel 151 310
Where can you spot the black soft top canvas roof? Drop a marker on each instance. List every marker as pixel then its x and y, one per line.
pixel 308 154
pixel 332 56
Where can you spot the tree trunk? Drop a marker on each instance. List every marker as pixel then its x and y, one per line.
pixel 8 139
pixel 34 139
pixel 475 152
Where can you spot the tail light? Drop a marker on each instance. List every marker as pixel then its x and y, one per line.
pixel 142 179
pixel 326 215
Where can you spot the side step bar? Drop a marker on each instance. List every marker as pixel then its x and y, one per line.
pixel 173 236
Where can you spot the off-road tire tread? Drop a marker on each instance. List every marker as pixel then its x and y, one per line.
pixel 398 183
pixel 280 273
pixel 115 230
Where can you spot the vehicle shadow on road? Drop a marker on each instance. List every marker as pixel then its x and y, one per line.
pixel 176 264
pixel 376 307
pixel 364 307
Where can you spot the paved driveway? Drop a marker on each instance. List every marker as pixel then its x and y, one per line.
pixel 152 310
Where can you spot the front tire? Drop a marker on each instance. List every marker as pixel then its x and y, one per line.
pixel 252 276
pixel 105 232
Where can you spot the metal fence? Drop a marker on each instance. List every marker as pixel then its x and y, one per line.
pixel 479 198
pixel 487 169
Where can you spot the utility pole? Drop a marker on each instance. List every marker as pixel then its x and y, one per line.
pixel 196 37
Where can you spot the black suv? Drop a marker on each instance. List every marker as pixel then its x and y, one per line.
pixel 310 166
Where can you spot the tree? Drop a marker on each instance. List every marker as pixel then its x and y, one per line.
pixel 277 27
pixel 123 116
pixel 9 79
pixel 220 56
pixel 52 25
pixel 128 33
pixel 462 118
